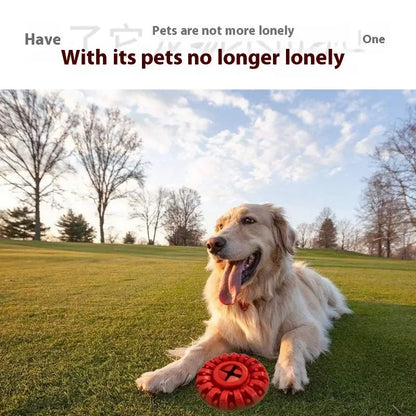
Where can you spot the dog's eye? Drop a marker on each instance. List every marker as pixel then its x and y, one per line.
pixel 220 227
pixel 248 220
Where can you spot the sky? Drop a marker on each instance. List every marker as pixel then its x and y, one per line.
pixel 302 150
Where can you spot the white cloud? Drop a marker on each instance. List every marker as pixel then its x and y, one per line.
pixel 274 147
pixel 283 96
pixel 366 145
pixel 313 112
pixel 334 171
pixel 410 96
pixel 305 115
pixel 335 153
pixel 73 98
pixel 162 121
pixel 348 94
pixel 353 106
pixel 271 147
pixel 222 98
pixel 362 117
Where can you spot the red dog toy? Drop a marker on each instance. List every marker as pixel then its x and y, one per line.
pixel 232 382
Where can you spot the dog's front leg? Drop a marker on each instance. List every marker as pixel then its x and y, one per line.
pixel 182 371
pixel 298 346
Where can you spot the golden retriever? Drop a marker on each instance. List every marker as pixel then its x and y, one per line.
pixel 260 302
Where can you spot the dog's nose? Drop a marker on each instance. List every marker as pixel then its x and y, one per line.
pixel 215 244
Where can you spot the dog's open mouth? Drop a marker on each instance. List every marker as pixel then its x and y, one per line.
pixel 236 274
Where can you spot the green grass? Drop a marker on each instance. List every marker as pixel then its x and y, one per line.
pixel 79 323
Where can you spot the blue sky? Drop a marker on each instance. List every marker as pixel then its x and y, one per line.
pixel 303 150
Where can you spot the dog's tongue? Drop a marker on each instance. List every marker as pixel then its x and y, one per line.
pixel 231 282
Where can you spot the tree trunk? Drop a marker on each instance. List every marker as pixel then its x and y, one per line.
pixel 388 248
pixel 154 231
pixel 37 212
pixel 379 248
pixel 101 228
pixel 149 240
pixel 379 240
pixel 102 206
pixel 101 220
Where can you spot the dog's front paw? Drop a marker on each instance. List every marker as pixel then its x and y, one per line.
pixel 166 379
pixel 147 382
pixel 290 379
pixel 155 382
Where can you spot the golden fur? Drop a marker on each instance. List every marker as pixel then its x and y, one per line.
pixel 284 311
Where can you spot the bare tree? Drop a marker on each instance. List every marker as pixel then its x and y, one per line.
pixel 356 240
pixel 183 217
pixel 382 214
pixel 344 228
pixel 304 233
pixel 33 130
pixel 150 209
pixel 301 230
pixel 407 239
pixel 108 148
pixel 112 235
pixel 397 160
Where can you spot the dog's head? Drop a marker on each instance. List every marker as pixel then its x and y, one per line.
pixel 248 239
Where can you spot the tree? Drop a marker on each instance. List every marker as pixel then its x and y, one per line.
pixel 304 233
pixel 344 228
pixel 33 129
pixel 382 214
pixel 75 228
pixel 108 149
pixel 150 209
pixel 356 239
pixel 327 237
pixel 323 215
pixel 407 239
pixel 182 221
pixel 112 235
pixel 19 223
pixel 396 158
pixel 129 238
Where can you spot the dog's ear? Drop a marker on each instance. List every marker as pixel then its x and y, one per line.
pixel 284 234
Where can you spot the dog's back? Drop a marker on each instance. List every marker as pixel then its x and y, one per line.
pixel 329 296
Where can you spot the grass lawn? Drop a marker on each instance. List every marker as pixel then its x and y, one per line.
pixel 80 322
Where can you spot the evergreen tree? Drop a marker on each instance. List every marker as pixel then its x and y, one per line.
pixel 19 223
pixel 327 237
pixel 75 228
pixel 129 238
